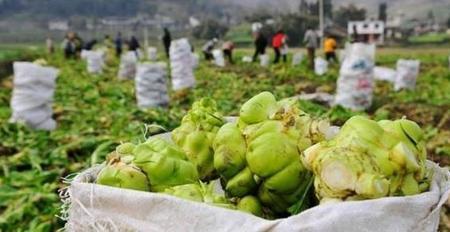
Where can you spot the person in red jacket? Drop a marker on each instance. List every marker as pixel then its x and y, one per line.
pixel 277 43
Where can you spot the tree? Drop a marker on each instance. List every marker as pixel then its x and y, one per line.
pixel 303 7
pixel 295 25
pixel 328 8
pixel 430 16
pixel 313 8
pixel 209 29
pixel 349 13
pixel 382 12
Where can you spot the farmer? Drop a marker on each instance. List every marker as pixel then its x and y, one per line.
pixel 134 45
pixel 68 45
pixel 227 48
pixel 260 45
pixel 118 44
pixel 167 39
pixel 277 43
pixel 329 47
pixel 311 41
pixel 208 48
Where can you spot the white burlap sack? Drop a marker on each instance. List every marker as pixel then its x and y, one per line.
pixel 151 87
pixel 181 62
pixel 95 60
pixel 355 83
pixel 256 26
pixel 218 58
pixel 407 72
pixel 247 59
pixel 32 97
pixel 195 58
pixel 127 67
pixel 384 74
pixel 93 207
pixel 297 58
pixel 152 53
pixel 320 66
pixel 264 60
pixel 341 55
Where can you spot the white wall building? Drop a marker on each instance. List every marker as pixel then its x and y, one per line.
pixel 58 25
pixel 373 30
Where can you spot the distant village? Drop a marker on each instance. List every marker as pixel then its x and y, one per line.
pixel 395 28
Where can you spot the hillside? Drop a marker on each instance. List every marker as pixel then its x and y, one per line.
pixel 411 8
pixel 28 9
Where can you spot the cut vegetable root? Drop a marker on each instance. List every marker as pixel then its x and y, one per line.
pixel 369 160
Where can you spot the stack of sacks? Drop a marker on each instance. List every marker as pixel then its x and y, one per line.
pixel 181 62
pixel 218 58
pixel 297 58
pixel 127 68
pixel 264 60
pixel 407 72
pixel 95 60
pixel 355 82
pixel 152 53
pixel 34 86
pixel 320 66
pixel 151 86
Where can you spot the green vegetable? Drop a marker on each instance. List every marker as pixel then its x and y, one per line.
pixel 368 160
pixel 164 164
pixel 196 133
pixel 119 174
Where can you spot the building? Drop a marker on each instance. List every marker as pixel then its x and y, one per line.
pixel 373 30
pixel 394 26
pixel 58 25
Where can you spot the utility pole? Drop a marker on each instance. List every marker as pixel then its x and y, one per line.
pixel 321 23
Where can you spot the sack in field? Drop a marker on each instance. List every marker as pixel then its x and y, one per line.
pixel 264 60
pixel 93 207
pixel 355 83
pixel 407 72
pixel 127 67
pixel 95 60
pixel 218 57
pixel 32 97
pixel 320 66
pixel 384 74
pixel 340 55
pixel 297 58
pixel 182 64
pixel 195 58
pixel 247 59
pixel 151 86
pixel 152 53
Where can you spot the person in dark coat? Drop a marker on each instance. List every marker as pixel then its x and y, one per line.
pixel 260 45
pixel 167 39
pixel 118 43
pixel 134 45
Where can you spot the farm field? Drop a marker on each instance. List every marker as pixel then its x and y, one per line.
pixel 97 112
